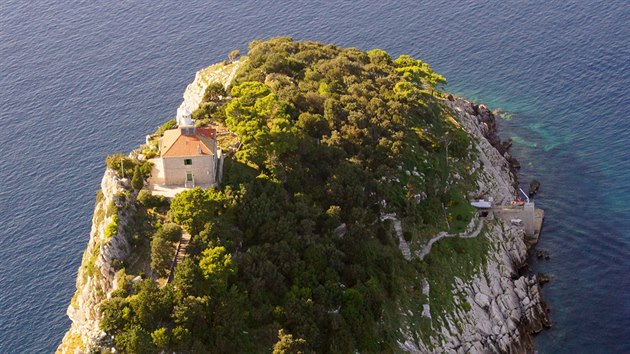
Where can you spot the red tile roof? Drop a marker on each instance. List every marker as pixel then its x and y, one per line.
pixel 174 143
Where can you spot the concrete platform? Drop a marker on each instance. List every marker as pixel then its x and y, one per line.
pixel 510 212
pixel 171 191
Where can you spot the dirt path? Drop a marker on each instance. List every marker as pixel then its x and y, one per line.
pixel 404 247
pixel 472 234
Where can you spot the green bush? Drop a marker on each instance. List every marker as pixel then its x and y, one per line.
pixel 112 227
pixel 148 200
pixel 137 181
pixel 170 232
pixel 120 163
pixel 162 252
pixel 170 124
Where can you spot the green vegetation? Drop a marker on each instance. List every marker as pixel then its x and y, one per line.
pixel 126 167
pixel 137 181
pixel 170 124
pixel 163 248
pixel 112 227
pixel 290 255
pixel 234 55
pixel 450 258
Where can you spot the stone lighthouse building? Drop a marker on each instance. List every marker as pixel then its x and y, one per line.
pixel 188 156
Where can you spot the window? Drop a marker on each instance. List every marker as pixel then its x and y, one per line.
pixel 187 162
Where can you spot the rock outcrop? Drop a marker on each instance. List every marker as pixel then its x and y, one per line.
pixel 222 73
pixel 107 247
pixel 504 308
pixel 106 250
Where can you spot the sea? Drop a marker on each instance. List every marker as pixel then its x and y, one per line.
pixel 83 79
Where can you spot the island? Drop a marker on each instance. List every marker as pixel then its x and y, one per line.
pixel 309 198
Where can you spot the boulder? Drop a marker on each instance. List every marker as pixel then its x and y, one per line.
pixel 533 187
pixel 482 300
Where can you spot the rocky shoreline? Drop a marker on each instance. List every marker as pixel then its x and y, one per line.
pixel 507 308
pixel 506 305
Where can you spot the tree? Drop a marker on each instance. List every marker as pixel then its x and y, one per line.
pixel 286 344
pixel 161 338
pixel 162 251
pixel 262 122
pixel 188 280
pixel 137 181
pixel 195 207
pixel 170 232
pixel 216 266
pixel 234 55
pixel 135 340
pixel 379 57
pixel 151 305
pixel 115 313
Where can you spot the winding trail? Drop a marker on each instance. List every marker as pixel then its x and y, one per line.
pixel 466 234
pixel 404 247
pixel 473 230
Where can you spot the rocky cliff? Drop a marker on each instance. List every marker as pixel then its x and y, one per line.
pixel 222 73
pixel 503 308
pixel 108 249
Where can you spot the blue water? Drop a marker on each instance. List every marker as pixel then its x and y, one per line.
pixel 82 80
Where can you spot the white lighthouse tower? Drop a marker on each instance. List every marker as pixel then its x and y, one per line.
pixel 185 123
pixel 184 117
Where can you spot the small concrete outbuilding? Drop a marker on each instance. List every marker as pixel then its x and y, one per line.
pixel 188 156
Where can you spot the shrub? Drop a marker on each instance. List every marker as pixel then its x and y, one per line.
pixel 166 126
pixel 162 252
pixel 161 338
pixel 112 227
pixel 214 92
pixel 170 232
pixel 120 163
pixel 148 200
pixel 145 169
pixel 137 181
pixel 234 55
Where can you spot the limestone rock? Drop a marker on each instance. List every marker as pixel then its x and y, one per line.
pixel 505 308
pixel 482 300
pixel 97 274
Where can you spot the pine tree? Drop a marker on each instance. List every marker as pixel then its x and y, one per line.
pixel 137 182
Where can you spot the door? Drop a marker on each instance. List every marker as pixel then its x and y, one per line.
pixel 189 180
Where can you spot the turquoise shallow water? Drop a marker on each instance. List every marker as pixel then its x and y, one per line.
pixel 80 81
